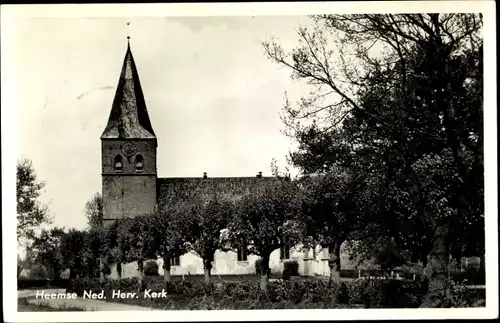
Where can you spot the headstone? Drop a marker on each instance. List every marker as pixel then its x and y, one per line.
pixel 414 277
pixel 359 273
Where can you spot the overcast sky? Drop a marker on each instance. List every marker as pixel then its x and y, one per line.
pixel 213 97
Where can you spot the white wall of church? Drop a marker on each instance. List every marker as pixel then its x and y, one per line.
pixel 226 263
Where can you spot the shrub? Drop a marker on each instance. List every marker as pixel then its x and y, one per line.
pixel 39 272
pixel 349 273
pixel 473 276
pixel 290 268
pixel 151 268
pixel 383 293
pixel 194 294
pixel 258 264
pixel 42 283
pixel 467 297
pixel 79 285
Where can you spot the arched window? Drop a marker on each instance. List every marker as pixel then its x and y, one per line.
pixel 242 253
pixel 284 250
pixel 118 164
pixel 139 163
pixel 175 260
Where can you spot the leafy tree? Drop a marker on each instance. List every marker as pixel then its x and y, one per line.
pixel 31 213
pixel 97 251
pixel 209 218
pixel 389 255
pixel 98 247
pixel 39 271
pixel 47 250
pixel 265 220
pixel 74 252
pixel 106 247
pixel 172 231
pixel 20 265
pixel 329 214
pixel 135 241
pixel 398 98
pixel 94 211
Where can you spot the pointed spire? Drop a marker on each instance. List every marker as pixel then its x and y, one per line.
pixel 129 117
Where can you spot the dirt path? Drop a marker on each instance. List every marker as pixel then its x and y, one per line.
pixel 86 304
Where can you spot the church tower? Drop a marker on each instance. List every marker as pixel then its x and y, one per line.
pixel 128 150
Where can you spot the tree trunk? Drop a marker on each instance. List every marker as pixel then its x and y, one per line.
pixel 140 270
pixel 334 262
pixel 101 271
pixel 207 268
pixel 119 269
pixel 264 272
pixel 166 267
pixel 437 270
pixel 57 272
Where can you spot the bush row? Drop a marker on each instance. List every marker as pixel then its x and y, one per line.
pixel 471 276
pixel 367 293
pixel 42 283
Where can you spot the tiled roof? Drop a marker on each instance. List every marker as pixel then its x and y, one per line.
pixel 176 189
pixel 129 117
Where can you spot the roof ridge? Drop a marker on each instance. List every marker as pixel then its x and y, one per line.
pixel 216 177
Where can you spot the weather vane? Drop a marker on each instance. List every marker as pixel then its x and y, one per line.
pixel 128 30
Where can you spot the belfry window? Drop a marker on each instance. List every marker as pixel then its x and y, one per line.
pixel 139 163
pixel 118 164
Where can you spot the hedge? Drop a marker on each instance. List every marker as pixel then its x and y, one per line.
pixel 359 293
pixel 151 268
pixel 290 268
pixel 366 293
pixel 42 283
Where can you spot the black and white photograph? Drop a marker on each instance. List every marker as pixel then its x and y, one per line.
pixel 188 159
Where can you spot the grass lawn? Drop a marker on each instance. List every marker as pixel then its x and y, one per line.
pixel 24 306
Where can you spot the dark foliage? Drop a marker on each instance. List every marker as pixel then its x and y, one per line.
pixel 286 294
pixel 42 283
pixel 151 268
pixel 290 268
pixel 258 265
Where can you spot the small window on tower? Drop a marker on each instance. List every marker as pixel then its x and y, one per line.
pixel 118 164
pixel 139 163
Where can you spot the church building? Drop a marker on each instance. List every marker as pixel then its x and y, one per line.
pixel 131 186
